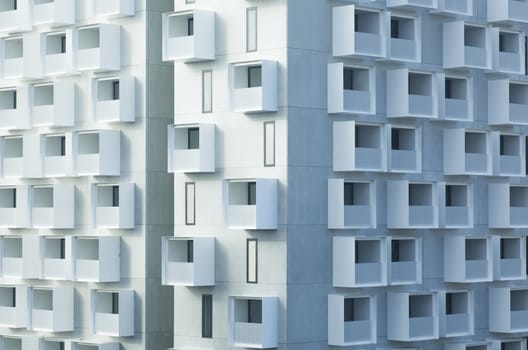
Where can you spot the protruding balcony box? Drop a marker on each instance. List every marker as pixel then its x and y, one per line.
pixel 254 86
pixel 467 152
pixel 252 204
pixel 12 342
pixel 113 205
pixel 404 256
pixel 457 313
pixel 508 309
pixel 57 51
pixel 57 154
pixel 188 261
pixel 94 345
pixel 508 154
pixel 96 258
pixel 12 156
pixel 189 36
pixel 52 343
pixel 508 344
pixel 14 112
pixel 508 51
pixel 404 41
pixel 13 306
pixel 412 204
pixel 54 12
pixel 351 320
pixel 507 206
pixel 98 153
pixel 468 346
pixel 412 316
pixel 14 206
pixel 113 312
pixel 412 94
pixel 358 32
pixel 114 99
pixel 456 205
pixel 458 99
pixel 507 11
pixel 507 102
pixel 98 47
pixel 467 259
pixel 53 104
pixel 15 16
pixel 413 4
pixel 52 309
pixel 351 204
pixel 114 8
pixel 509 258
pixel 455 7
pixel 191 148
pixel 253 322
pixel 359 262
pixel 351 89
pixel 56 257
pixel 466 45
pixel 405 149
pixel 20 257
pixel 18 59
pixel 53 206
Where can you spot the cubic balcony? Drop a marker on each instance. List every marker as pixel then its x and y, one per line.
pixel 405 150
pixel 12 156
pixel 351 89
pixel 50 343
pixel 51 309
pixel 508 309
pixel 359 262
pixel 509 258
pixel 14 206
pixel 507 102
pixel 507 11
pixel 457 313
pixel 253 322
pixel 191 148
pixel 467 152
pixel 508 51
pixel 404 261
pixel 411 205
pixel 188 261
pixel 508 154
pixel 456 205
pixel 113 205
pixel 358 32
pixel 98 47
pixel 412 4
pixel 254 86
pixel 468 259
pixel 351 204
pixel 252 204
pixel 113 312
pixel 19 256
pixel 53 104
pixel 351 320
pixel 14 114
pixel 53 206
pixel 12 342
pixel 96 258
pixel 19 58
pixel 114 8
pixel 507 205
pixel 94 345
pixel 468 346
pixel 54 12
pixel 458 99
pixel 57 155
pixel 508 344
pixel 404 42
pixel 412 316
pixel 57 48
pixel 412 94
pixel 98 153
pixel 56 259
pixel 114 99
pixel 13 306
pixel 466 46
pixel 455 7
pixel 15 16
pixel 189 36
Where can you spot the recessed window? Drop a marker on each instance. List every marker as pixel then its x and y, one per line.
pixel 420 84
pixel 190 204
pixel 356 79
pixel 55 145
pixel 254 311
pixel 455 88
pixel 420 195
pixel 367 252
pixel 476 249
pixel 420 306
pixel 403 250
pixel 56 44
pixel 193 138
pixel 7 297
pixel 43 95
pixel 251 261
pixel 509 248
pixel 207 91
pixel 474 36
pixel 108 196
pixel 254 76
pixel 475 142
pixel 13 147
pixel 252 193
pixel 13 48
pixel 456 303
pixel 207 316
pixel 190 26
pixel 402 28
pixel 251 29
pixel 367 136
pixel 55 248
pixel 509 145
pixel 8 99
pixel 356 309
pixel 402 139
pixel 269 143
pixel 108 89
pixel 7 197
pixel 356 193
pixel 456 195
pixel 508 42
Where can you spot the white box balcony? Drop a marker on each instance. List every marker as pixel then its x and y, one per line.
pixel 456 205
pixel 19 55
pixel 53 12
pixel 96 258
pixel 189 36
pixel 19 257
pixel 50 343
pixel 13 306
pixel 413 4
pixel 359 262
pixel 113 205
pixel 98 47
pixel 12 342
pixel 113 312
pixel 457 102
pixel 94 345
pixel 507 206
pixel 253 322
pixel 507 102
pixel 98 153
pixel 412 204
pixel 507 11
pixel 509 258
pixel 508 154
pixel 351 320
pixel 57 155
pixel 53 104
pixel 57 51
pixel 404 149
pixel 455 7
pixel 114 99
pixel 351 89
pixel 468 346
pixel 114 8
pixel 14 206
pixel 53 206
pixel 191 148
pixel 508 309
pixel 56 257
pixel 359 147
pixel 15 16
pixel 468 259
pixel 14 112
pixel 508 51
pixel 12 156
pixel 412 94
pixel 358 32
pixel 252 204
pixel 254 86
pixel 404 42
pixel 404 259
pixel 508 344
pixel 466 45
pixel 188 261
pixel 351 204
pixel 467 152
pixel 457 313
pixel 412 316
pixel 52 309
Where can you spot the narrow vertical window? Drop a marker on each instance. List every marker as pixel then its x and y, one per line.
pixel 13 297
pixel 115 90
pixel 251 260
pixel 251 29
pixel 190 204
pixel 15 4
pixel 207 316
pixel 115 196
pixel 63 43
pixel 269 143
pixel 190 26
pixel 190 251
pixel 62 248
pixel 207 91
pixel 14 198
pixel 115 303
pixel 193 138
pixel 63 145
pixel 252 193
pixel 14 99
pixel 254 76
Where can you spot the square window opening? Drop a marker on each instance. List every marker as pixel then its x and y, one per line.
pixel 420 306
pixel 55 145
pixel 403 139
pixel 402 28
pixel 420 84
pixel 356 194
pixel 456 88
pixel 356 79
pixel 368 251
pixel 403 250
pixel 456 195
pixel 89 38
pixel 476 249
pixel 510 145
pixel 474 36
pixel 356 309
pixel 508 42
pixel 8 197
pixel 456 303
pixel 420 195
pixel 510 248
pixel 8 99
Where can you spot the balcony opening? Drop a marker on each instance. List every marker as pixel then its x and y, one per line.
pixel 248 310
pixel 43 197
pixel 519 300
pixel 366 22
pixel 474 36
pixel 43 299
pixel 420 306
pixel 403 250
pixel 248 76
pixel 403 139
pixel 8 99
pixel 456 303
pixel 475 143
pixel 476 249
pixel 87 248
pixel 477 347
pixel 420 195
pixel 181 25
pixel 456 195
pixel 55 145
pixel 108 90
pixel 518 196
pixel 420 84
pixel 181 251
pixel 55 248
pixel 54 345
pixel 509 145
pixel 108 196
pixel 7 297
pixel 12 343
pixel 89 38
pixel 243 193
pixel 107 303
pixel 367 136
pixel 367 252
pixel 456 88
pixel 12 247
pixel 13 48
pixel 508 42
pixel 8 5
pixel 519 93
pixel 13 147
pixel 56 44
pixel 88 143
pixel 510 248
pixel 193 138
pixel 511 345
pixel 43 95
pixel 402 28
pixel 41 2
pixel 356 79
pixel 356 193
pixel 8 197
pixel 80 346
pixel 356 309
